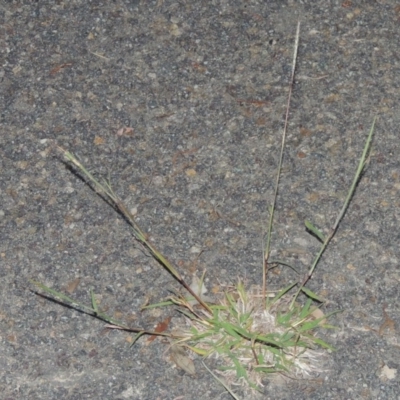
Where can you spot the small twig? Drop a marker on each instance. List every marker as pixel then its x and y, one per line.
pixel 99 55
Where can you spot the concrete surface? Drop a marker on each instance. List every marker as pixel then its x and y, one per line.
pixel 200 88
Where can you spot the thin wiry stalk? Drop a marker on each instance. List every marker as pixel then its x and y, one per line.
pixel 278 175
pixel 229 390
pixel 94 311
pixel 359 171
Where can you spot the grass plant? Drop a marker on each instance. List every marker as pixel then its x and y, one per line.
pixel 252 333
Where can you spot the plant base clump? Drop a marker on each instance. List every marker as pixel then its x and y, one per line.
pixel 252 336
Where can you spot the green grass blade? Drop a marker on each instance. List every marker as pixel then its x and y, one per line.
pixel 305 310
pixel 269 340
pixel 228 328
pixel 240 370
pixel 320 342
pixel 314 231
pixel 245 319
pixel 94 303
pixel 311 294
pixel 61 296
pixel 232 304
pixel 309 325
pixel 265 370
pixel 283 292
pixel 137 337
pixel 243 332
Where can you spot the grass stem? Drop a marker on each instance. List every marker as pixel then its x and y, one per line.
pixel 106 190
pixel 357 176
pixel 278 175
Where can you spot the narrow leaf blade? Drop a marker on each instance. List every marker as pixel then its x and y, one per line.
pixel 315 231
pixel 311 294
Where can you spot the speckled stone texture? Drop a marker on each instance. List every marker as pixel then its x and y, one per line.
pixel 181 105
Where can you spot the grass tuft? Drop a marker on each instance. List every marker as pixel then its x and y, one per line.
pixel 251 333
pixel 251 340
